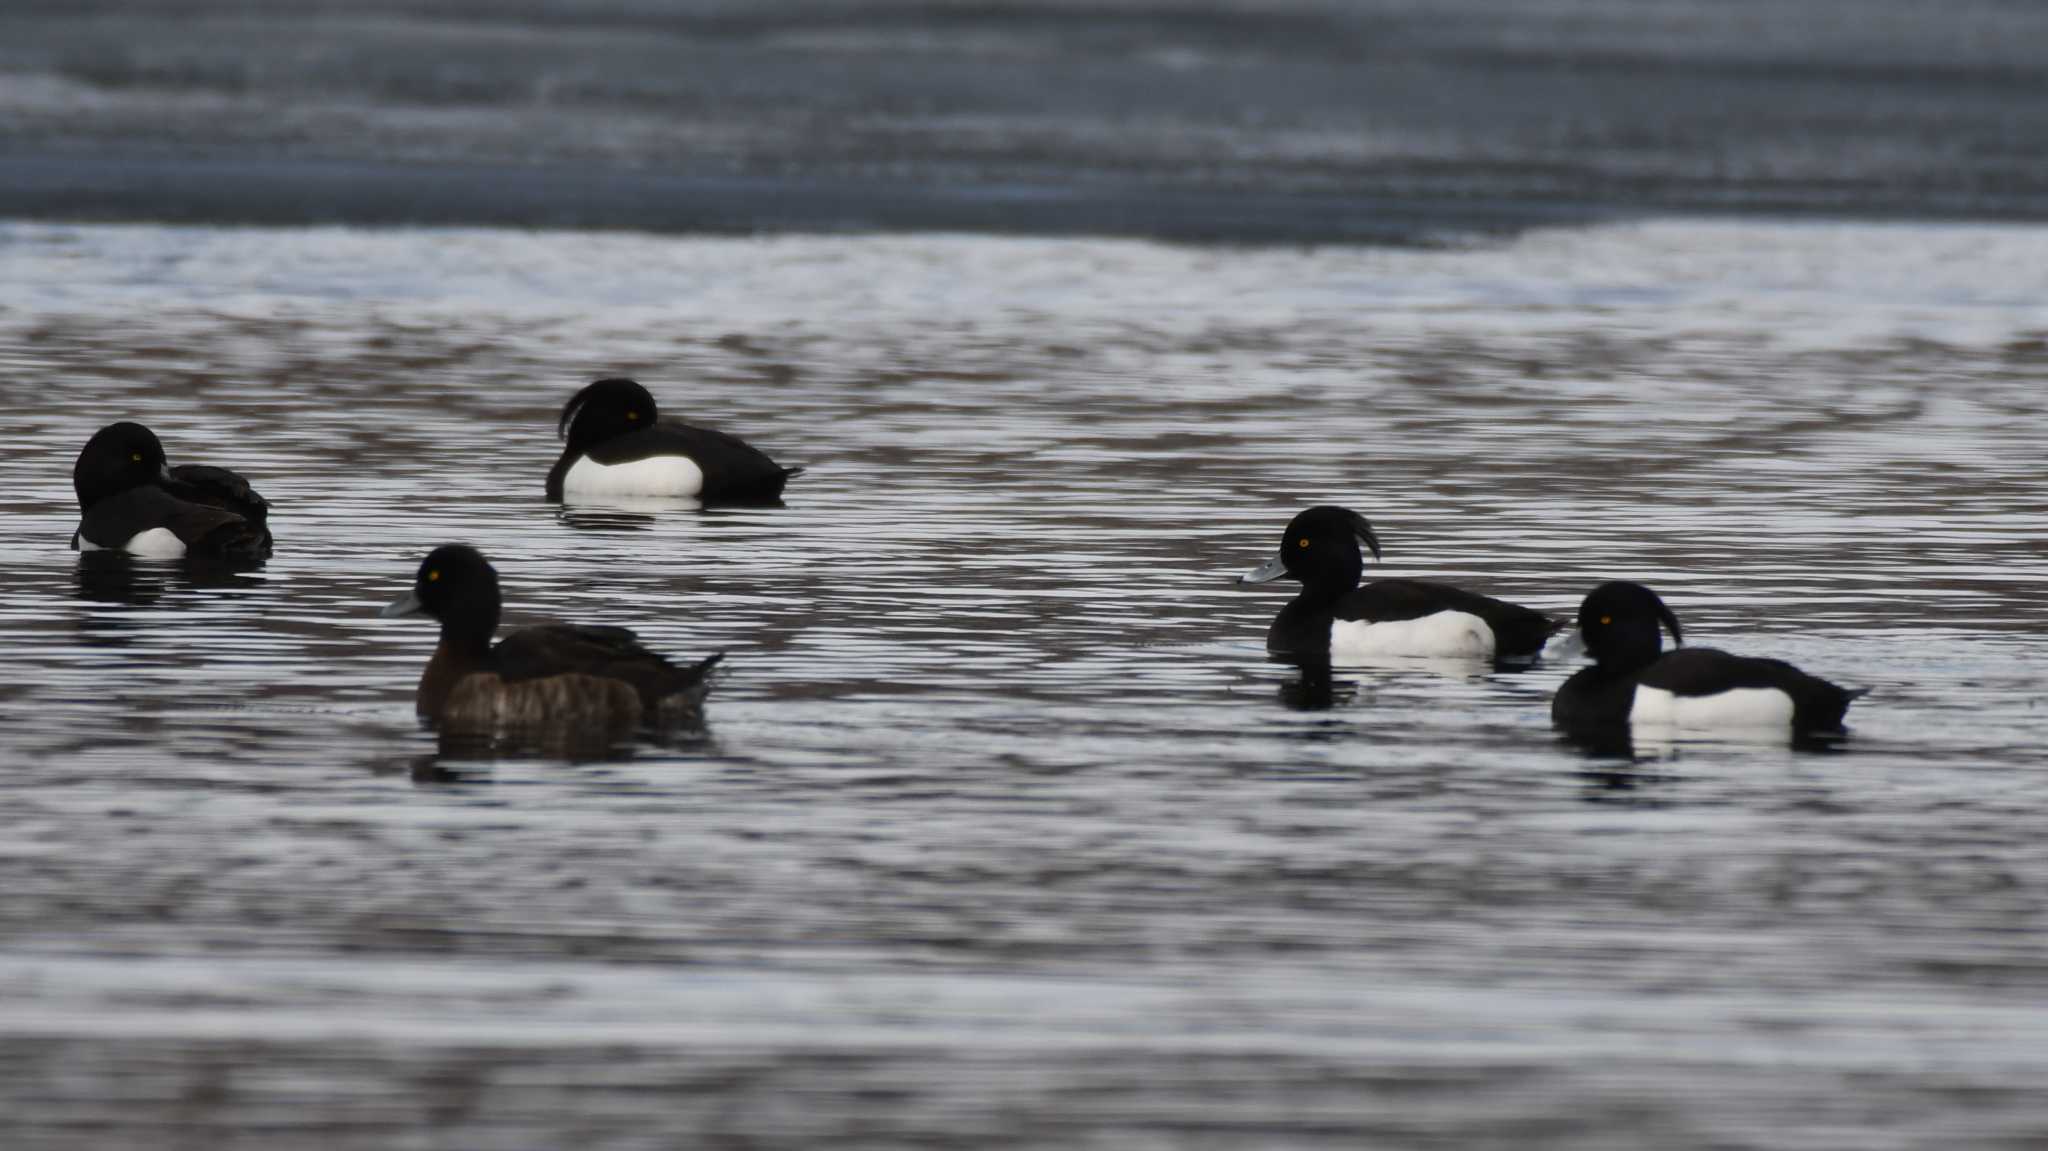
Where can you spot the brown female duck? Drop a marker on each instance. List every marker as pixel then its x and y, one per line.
pixel 552 675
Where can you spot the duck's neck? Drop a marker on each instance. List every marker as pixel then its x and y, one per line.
pixel 90 494
pixel 1627 660
pixel 1323 593
pixel 462 650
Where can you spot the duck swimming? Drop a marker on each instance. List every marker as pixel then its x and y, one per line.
pixel 536 677
pixel 1334 618
pixel 133 501
pixel 617 444
pixel 1635 683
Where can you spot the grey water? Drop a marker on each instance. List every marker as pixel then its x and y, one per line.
pixel 1003 830
pixel 1284 120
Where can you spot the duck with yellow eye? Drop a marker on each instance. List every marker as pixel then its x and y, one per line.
pixel 549 677
pixel 1635 684
pixel 1334 618
pixel 134 502
pixel 618 445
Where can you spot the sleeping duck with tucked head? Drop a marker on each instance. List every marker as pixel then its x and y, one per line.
pixel 617 444
pixel 1335 619
pixel 547 676
pixel 1635 684
pixel 134 502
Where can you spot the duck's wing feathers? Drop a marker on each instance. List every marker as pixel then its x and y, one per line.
pixel 612 653
pixel 220 488
pixel 559 649
pixel 734 470
pixel 207 532
pixel 1517 630
pixel 1817 705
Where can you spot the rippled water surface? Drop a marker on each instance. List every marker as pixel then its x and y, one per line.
pixel 1004 831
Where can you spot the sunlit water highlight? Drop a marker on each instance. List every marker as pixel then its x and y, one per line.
pixel 1003 831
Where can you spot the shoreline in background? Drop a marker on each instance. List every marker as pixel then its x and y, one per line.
pixel 257 192
pixel 219 191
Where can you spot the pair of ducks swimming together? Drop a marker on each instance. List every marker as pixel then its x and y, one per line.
pixel 1633 681
pixel 617 444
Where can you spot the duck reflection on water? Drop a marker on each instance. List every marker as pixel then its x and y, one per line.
pixel 117 577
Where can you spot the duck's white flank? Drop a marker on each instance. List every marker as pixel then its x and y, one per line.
pixel 1741 708
pixel 1447 633
pixel 653 476
pixel 154 544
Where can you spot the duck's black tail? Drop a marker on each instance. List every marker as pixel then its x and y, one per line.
pixel 701 670
pixel 682 706
pixel 1824 710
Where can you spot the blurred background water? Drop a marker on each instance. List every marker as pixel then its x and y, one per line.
pixel 1289 120
pixel 1003 831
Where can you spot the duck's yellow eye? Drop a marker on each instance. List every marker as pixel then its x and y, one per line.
pixel 433 575
pixel 1302 542
pixel 136 456
pixel 1605 620
pixel 632 415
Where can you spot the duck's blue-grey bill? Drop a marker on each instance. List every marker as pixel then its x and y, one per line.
pixel 407 604
pixel 1266 572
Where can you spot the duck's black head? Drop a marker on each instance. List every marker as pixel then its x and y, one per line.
pixel 1321 549
pixel 1620 622
pixel 117 457
pixel 457 586
pixel 610 407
